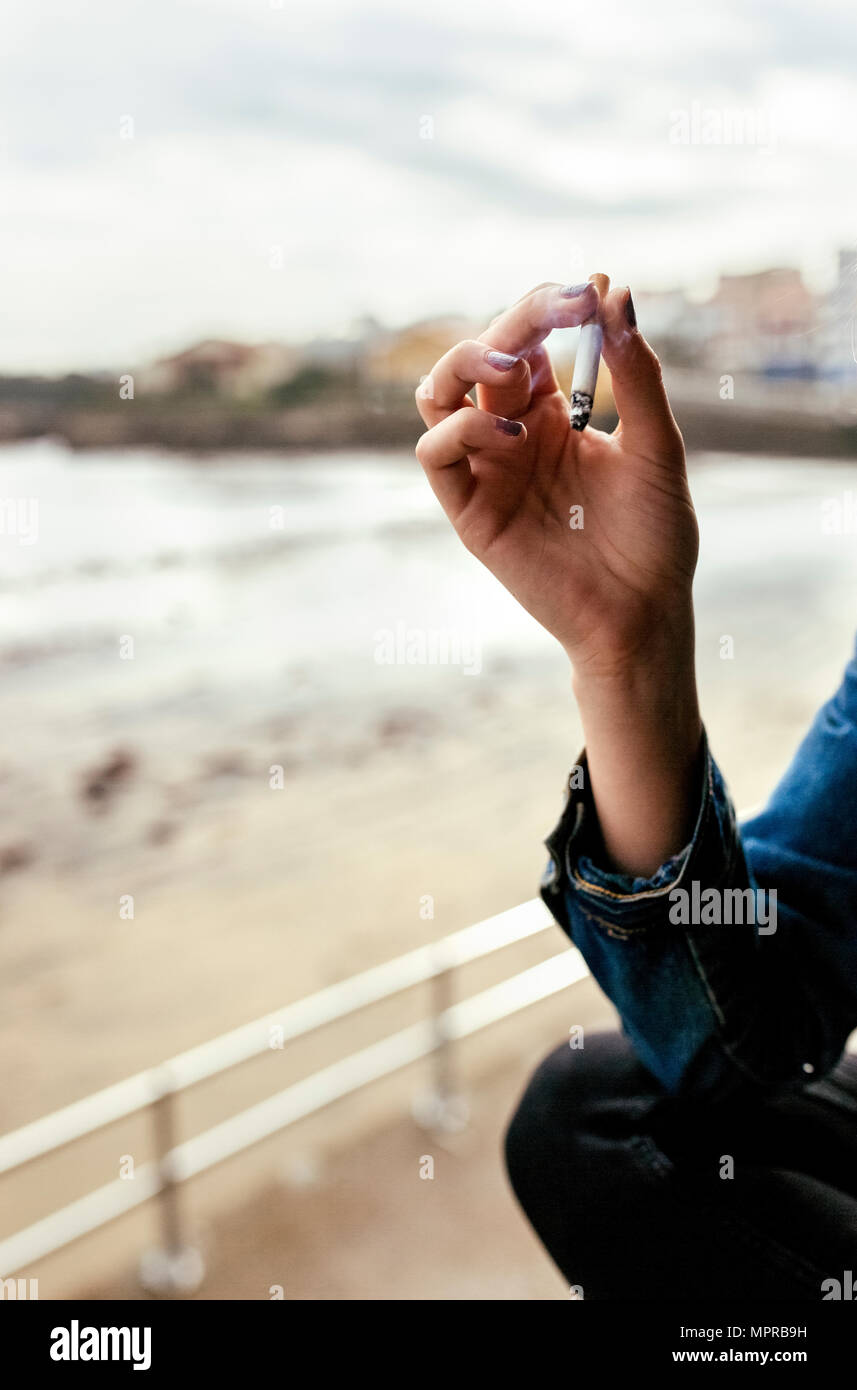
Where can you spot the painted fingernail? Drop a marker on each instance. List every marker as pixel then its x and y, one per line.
pixel 574 291
pixel 508 426
pixel 427 388
pixel 630 312
pixel 503 361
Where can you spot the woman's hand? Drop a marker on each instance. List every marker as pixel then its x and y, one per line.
pixel 593 533
pixel 612 581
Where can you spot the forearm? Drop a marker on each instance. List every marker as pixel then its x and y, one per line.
pixel 734 960
pixel 643 736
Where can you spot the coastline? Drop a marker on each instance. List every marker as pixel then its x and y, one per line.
pixel 765 417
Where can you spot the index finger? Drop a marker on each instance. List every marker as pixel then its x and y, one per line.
pixel 523 327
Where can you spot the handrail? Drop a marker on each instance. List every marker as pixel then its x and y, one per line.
pixel 157 1085
pixel 211 1058
pixel 303 1016
pixel 268 1117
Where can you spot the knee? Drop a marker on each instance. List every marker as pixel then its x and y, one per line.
pixel 517 1147
pixel 534 1128
pixel 569 1092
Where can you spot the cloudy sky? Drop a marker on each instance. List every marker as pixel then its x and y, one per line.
pixel 274 168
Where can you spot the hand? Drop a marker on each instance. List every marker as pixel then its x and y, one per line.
pixel 509 471
pixel 615 592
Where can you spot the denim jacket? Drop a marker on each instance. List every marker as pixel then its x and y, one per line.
pixel 713 1007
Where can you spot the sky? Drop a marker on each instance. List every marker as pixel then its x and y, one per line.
pixel 267 169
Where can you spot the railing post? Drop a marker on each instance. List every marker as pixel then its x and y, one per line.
pixel 442 1110
pixel 174 1267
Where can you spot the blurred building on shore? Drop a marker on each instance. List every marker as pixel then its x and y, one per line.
pixel 767 323
pixel 237 370
pixel 837 331
pixel 764 322
pixel 402 356
pixel 679 329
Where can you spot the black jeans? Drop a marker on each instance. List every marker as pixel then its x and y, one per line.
pixel 629 1191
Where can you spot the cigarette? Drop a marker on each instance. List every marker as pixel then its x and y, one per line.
pixel 585 374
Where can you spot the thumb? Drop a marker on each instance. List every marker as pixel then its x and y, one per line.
pixel 646 421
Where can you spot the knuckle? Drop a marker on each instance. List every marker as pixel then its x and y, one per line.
pixel 650 361
pixel 548 285
pixel 643 366
pixel 422 448
pixel 462 358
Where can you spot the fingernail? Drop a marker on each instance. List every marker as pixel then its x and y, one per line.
pixel 503 361
pixel 427 388
pixel 508 426
pixel 572 291
pixel 630 312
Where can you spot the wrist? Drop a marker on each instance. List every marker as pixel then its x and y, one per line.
pixel 650 713
pixel 643 733
pixel 657 664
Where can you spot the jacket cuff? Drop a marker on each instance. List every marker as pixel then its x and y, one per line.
pixel 624 902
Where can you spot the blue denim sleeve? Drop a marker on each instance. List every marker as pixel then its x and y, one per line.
pixel 734 966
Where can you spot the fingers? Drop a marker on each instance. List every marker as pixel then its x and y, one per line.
pixel 522 329
pixel 526 324
pixel 460 369
pixel 646 422
pixel 443 452
pixel 508 363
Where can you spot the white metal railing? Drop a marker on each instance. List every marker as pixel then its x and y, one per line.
pixel 157 1087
